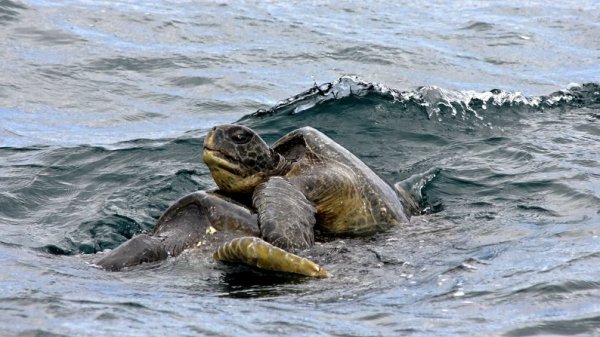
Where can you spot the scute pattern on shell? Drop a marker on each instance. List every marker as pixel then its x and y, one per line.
pixel 348 196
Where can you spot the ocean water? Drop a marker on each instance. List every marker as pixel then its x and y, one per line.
pixel 103 110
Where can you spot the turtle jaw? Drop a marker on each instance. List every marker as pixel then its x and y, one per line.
pixel 228 174
pixel 214 159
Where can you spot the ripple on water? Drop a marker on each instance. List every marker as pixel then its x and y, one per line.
pixel 581 326
pixel 513 248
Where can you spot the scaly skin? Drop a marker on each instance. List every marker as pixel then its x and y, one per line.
pixel 305 181
pixel 261 254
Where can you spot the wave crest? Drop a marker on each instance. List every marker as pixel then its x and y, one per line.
pixel 435 101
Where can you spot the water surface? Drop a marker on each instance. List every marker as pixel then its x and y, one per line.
pixel 104 106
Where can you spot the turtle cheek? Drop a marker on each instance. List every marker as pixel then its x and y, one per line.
pixel 264 162
pixel 251 163
pixel 256 161
pixel 224 179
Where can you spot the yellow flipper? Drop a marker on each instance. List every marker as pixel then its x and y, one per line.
pixel 258 253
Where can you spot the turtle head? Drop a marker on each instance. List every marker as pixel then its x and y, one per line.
pixel 238 158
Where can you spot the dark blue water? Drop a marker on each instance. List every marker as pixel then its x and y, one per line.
pixel 104 105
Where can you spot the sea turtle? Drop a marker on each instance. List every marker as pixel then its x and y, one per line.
pixel 269 203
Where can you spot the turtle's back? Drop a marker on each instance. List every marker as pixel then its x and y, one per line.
pixel 349 196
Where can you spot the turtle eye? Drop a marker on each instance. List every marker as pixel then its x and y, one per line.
pixel 241 137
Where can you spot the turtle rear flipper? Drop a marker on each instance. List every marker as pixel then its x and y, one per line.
pixel 189 221
pixel 410 190
pixel 142 248
pixel 258 253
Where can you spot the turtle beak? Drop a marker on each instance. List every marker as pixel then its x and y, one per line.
pixel 214 157
pixel 209 140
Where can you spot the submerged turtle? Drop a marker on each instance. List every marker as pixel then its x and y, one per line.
pixel 271 200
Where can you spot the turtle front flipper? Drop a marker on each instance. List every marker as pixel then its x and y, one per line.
pixel 286 218
pixel 190 221
pixel 258 253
